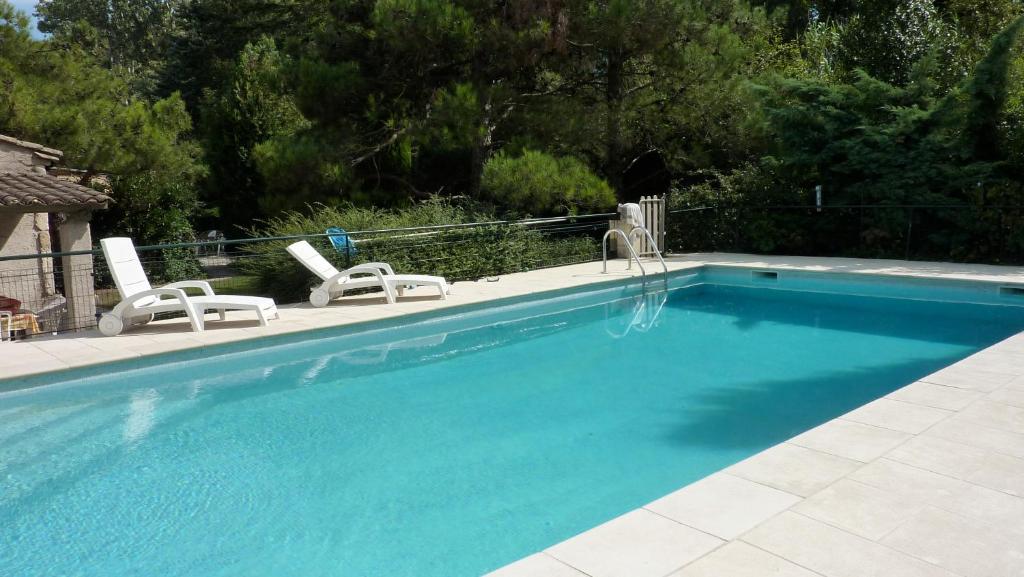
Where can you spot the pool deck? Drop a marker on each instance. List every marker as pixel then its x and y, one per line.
pixel 927 481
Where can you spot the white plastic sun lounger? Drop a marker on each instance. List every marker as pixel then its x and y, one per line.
pixel 140 301
pixel 372 274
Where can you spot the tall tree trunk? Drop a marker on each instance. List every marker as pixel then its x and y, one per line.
pixel 481 152
pixel 614 94
pixel 481 148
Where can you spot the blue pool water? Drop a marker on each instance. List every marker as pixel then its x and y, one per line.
pixel 456 444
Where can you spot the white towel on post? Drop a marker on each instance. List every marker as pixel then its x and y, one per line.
pixel 632 214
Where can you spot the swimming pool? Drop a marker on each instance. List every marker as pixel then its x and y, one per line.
pixel 453 444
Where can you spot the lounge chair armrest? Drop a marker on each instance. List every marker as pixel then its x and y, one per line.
pixel 158 292
pixel 199 284
pixel 371 267
pixel 381 265
pixel 341 276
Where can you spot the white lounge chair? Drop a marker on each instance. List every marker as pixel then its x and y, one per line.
pixel 373 274
pixel 139 300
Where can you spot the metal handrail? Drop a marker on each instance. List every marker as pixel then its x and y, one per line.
pixel 654 245
pixel 629 245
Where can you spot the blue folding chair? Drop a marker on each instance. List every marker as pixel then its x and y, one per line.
pixel 341 242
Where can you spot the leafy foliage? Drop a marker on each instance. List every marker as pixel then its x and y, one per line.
pixel 871 143
pixel 397 99
pixel 252 109
pixel 888 37
pixel 537 183
pixel 225 111
pixel 128 36
pixel 457 254
pixel 66 100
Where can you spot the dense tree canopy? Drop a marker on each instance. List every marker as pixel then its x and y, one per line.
pixel 64 98
pixel 256 107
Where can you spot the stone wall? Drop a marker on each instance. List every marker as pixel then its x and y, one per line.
pixel 18 159
pixel 32 280
pixel 28 280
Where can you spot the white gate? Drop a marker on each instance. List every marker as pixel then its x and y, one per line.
pixel 653 209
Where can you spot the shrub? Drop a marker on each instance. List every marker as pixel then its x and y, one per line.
pixel 540 184
pixel 178 264
pixel 456 254
pixel 152 211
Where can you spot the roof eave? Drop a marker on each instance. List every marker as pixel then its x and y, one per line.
pixel 34 208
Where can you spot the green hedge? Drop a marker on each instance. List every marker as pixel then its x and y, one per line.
pixel 960 234
pixel 456 254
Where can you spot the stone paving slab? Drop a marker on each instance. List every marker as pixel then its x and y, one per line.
pixel 850 439
pixel 637 544
pixel 723 505
pixel 738 559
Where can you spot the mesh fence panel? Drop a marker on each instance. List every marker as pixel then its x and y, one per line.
pixel 69 291
pixel 991 234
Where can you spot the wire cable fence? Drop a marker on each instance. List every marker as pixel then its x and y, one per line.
pixel 931 232
pixel 55 292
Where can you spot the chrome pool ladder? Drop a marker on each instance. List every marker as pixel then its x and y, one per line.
pixel 628 241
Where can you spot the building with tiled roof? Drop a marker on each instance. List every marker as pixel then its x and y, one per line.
pixel 34 192
pixel 41 213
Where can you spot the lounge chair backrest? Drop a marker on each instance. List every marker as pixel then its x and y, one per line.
pixel 124 265
pixel 313 260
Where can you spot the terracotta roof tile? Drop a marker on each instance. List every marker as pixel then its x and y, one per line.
pixel 45 191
